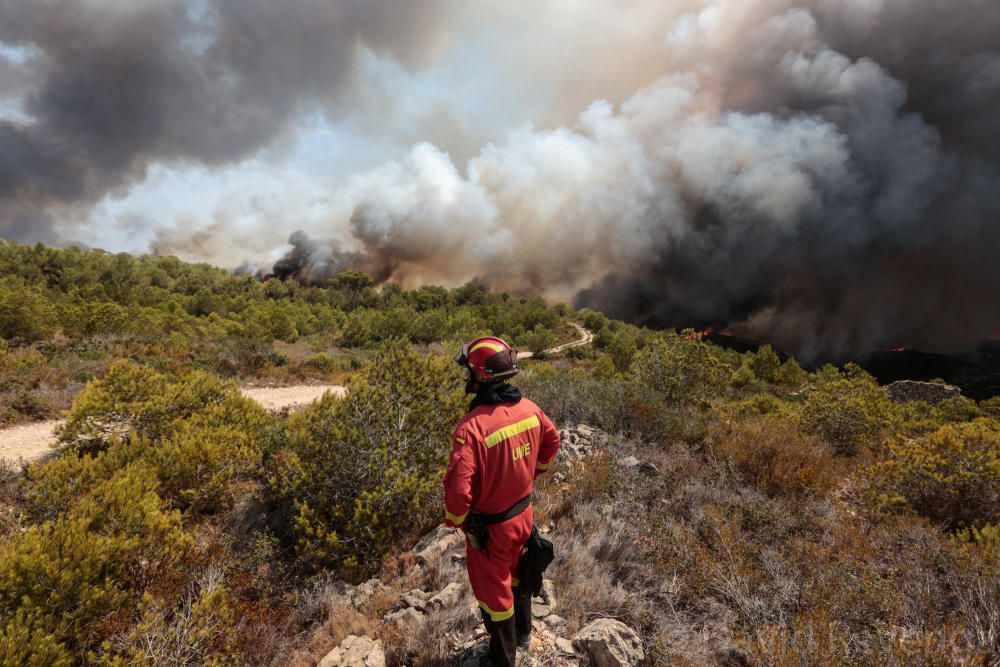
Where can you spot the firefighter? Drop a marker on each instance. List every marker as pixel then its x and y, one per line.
pixel 501 445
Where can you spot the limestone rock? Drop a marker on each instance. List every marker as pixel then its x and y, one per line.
pixel 363 593
pixel 906 391
pixel 555 621
pixel 637 467
pixel 436 543
pixel 408 617
pixel 549 593
pixel 607 642
pixel 577 441
pixel 565 646
pixel 416 599
pixel 448 597
pixel 356 651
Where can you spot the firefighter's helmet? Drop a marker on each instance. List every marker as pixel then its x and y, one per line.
pixel 489 359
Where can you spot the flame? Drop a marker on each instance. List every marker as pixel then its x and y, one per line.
pixel 699 334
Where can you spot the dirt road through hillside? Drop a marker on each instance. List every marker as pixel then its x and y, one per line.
pixel 586 338
pixel 33 441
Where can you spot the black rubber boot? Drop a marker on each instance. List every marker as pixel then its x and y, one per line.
pixel 522 617
pixel 503 641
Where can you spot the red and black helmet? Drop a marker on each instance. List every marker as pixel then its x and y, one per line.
pixel 489 359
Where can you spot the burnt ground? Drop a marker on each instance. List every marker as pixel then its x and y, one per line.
pixel 976 372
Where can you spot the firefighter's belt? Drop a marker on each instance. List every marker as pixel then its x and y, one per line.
pixel 508 514
pixel 475 525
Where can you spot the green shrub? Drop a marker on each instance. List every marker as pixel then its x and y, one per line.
pixel 765 364
pixel 847 409
pixel 25 314
pixel 323 363
pixel 199 631
pixel 577 397
pixel 791 375
pixel 7 361
pixel 361 473
pixel 32 406
pixel 991 407
pixel 744 375
pixel 759 405
pixel 21 645
pixel 951 476
pixel 57 483
pixel 985 540
pixel 678 370
pixel 540 340
pixel 958 409
pixel 196 468
pixel 66 578
pixel 135 398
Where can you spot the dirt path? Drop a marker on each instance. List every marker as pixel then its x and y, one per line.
pixel 277 398
pixel 586 338
pixel 33 441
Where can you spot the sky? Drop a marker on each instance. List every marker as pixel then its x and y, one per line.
pixel 819 173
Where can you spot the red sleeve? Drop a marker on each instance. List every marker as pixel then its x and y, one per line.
pixel 550 444
pixel 458 479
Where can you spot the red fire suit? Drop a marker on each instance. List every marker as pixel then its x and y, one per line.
pixel 497 452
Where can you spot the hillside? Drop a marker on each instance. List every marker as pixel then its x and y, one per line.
pixel 728 508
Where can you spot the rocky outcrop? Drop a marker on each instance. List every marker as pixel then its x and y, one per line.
pixel 361 595
pixel 436 543
pixel 356 652
pixel 607 642
pixel 577 441
pixel 907 391
pixel 636 467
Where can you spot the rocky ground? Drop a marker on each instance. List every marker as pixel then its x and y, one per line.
pixel 429 609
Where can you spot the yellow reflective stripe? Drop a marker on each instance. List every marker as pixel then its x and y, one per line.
pixel 543 466
pixel 493 346
pixel 514 581
pixel 457 520
pixel 509 431
pixel 496 616
pixel 460 439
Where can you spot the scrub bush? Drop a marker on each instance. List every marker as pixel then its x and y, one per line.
pixel 847 409
pixel 66 579
pixel 679 370
pixel 773 455
pixel 951 476
pixel 196 435
pixel 195 633
pixel 135 398
pixel 361 473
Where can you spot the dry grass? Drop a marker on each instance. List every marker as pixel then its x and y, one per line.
pixel 747 552
pixel 772 454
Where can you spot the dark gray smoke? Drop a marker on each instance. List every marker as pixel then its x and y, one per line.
pixel 313 262
pixel 118 86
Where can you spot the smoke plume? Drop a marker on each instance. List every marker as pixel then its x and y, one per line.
pixel 820 173
pixel 119 86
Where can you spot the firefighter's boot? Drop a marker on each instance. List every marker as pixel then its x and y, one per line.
pixel 503 641
pixel 522 617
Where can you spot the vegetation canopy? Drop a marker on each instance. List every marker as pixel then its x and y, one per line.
pixel 732 507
